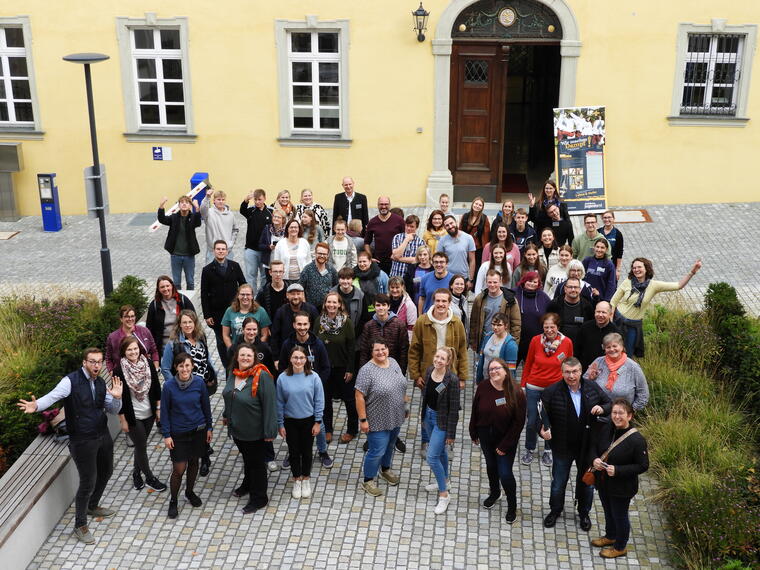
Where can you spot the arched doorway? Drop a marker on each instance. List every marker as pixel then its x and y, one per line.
pixel 488 122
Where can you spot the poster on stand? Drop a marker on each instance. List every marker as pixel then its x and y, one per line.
pixel 579 137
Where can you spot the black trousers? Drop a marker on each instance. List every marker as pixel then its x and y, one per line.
pixel 94 461
pixel 300 444
pixel 254 470
pixel 499 467
pixel 220 346
pixel 139 433
pixel 337 387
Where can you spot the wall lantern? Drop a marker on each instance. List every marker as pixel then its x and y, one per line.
pixel 420 16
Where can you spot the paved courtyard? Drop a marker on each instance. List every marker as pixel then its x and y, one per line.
pixel 340 526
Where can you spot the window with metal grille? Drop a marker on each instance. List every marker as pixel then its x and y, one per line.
pixel 15 88
pixel 314 60
pixel 476 71
pixel 157 66
pixel 712 73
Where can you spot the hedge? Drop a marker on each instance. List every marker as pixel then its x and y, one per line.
pixel 41 340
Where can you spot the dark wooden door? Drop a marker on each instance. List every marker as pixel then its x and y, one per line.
pixel 476 126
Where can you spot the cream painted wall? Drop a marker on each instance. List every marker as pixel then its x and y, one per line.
pixel 626 63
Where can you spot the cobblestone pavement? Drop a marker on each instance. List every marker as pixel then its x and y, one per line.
pixel 340 525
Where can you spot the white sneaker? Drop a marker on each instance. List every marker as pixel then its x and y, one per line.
pixel 443 504
pixel 433 487
pixel 297 489
pixel 273 466
pixel 306 488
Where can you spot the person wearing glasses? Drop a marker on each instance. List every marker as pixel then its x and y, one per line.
pixel 86 399
pixel 318 277
pixel 129 327
pixel 498 417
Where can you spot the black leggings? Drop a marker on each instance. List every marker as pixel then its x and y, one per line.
pixel 139 434
pixel 337 387
pixel 300 444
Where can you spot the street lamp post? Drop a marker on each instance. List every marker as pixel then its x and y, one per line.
pixel 105 254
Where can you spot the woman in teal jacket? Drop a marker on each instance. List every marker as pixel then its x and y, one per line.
pixel 497 344
pixel 250 414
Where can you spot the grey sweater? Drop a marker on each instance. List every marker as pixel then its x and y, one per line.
pixel 631 383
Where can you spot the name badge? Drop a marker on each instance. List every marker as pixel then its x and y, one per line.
pixel 579 320
pixel 561 356
pixel 440 388
pixel 555 224
pixel 358 206
pixel 311 359
pixel 501 401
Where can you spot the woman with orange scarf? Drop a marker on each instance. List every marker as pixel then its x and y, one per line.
pixel 250 414
pixel 618 375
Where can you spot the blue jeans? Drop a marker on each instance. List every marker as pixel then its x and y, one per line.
pixel 252 269
pixel 380 452
pixel 499 467
pixel 533 397
pixel 180 263
pixel 584 494
pixel 617 524
pixel 322 440
pixel 437 457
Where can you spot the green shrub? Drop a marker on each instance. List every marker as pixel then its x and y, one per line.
pixel 714 518
pixel 739 342
pixel 41 340
pixel 669 385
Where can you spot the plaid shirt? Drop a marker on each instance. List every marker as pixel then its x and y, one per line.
pixel 399 267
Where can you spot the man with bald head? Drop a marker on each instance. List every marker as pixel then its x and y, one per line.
pixel 381 230
pixel 588 344
pixel 350 205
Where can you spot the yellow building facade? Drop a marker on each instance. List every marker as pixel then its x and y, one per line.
pixel 299 94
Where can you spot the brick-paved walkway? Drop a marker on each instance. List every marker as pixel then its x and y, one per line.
pixel 340 525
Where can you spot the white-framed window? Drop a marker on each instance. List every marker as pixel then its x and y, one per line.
pixel 712 74
pixel 155 77
pixel 313 72
pixel 19 112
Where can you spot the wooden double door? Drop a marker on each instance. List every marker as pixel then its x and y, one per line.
pixel 477 103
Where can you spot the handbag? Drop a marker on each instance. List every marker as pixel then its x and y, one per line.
pixel 588 477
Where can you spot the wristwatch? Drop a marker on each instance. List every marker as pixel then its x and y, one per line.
pixel 363 420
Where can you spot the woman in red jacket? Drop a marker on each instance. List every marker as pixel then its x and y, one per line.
pixel 543 367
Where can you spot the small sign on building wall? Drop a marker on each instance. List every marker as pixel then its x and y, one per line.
pixel 162 153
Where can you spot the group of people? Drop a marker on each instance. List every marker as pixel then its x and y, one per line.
pixel 314 319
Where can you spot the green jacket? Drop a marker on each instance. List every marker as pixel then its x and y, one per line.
pixel 583 246
pixel 249 418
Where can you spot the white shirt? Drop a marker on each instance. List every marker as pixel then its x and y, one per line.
pixel 63 390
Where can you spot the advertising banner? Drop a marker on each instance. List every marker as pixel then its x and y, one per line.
pixel 579 138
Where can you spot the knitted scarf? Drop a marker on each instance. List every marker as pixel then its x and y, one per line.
pixel 639 288
pixel 367 279
pixel 137 376
pixel 614 366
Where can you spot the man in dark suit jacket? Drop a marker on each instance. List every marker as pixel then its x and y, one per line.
pixel 570 409
pixel 350 202
pixel 220 280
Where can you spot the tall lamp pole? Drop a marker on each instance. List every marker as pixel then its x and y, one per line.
pixel 105 254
